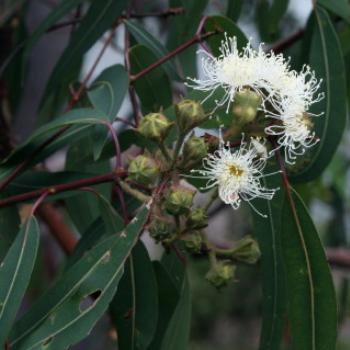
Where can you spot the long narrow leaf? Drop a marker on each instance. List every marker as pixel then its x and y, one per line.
pixel 15 272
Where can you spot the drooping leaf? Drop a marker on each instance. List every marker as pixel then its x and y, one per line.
pixel 174 305
pixel 9 224
pixel 108 90
pixel 99 18
pixel 15 273
pixel 66 313
pixel 168 297
pixel 107 94
pixel 134 308
pixel 234 9
pixel 84 208
pixel 340 7
pixel 62 9
pixel 312 309
pixel 224 25
pixel 143 37
pixel 178 331
pixel 268 234
pixel 83 117
pixel 269 17
pixel 154 88
pixel 182 28
pixel 327 61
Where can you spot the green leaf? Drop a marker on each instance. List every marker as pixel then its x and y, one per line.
pixel 99 18
pixel 9 224
pixel 327 60
pixel 269 18
pixel 227 26
pixel 77 117
pixel 234 9
pixel 66 313
pixel 144 38
pixel 108 90
pixel 182 28
pixel 84 208
pixel 134 308
pixel 15 272
pixel 312 309
pixel 62 9
pixel 178 331
pixel 340 7
pixel 154 88
pixel 168 297
pixel 268 234
pixel 107 94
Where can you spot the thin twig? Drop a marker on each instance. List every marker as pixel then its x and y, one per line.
pixel 166 13
pixel 94 180
pixel 287 42
pixel 194 40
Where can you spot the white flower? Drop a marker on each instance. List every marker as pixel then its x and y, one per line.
pixel 234 71
pixel 286 94
pixel 237 174
pixel 295 135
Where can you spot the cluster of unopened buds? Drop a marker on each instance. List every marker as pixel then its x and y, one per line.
pixel 268 101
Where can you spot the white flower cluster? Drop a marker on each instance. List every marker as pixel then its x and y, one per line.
pixel 286 98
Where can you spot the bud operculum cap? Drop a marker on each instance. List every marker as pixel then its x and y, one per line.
pixel 189 114
pixel 178 200
pixel 161 229
pixel 247 250
pixel 143 170
pixel 245 106
pixel 154 126
pixel 197 219
pixel 221 274
pixel 193 242
pixel 195 149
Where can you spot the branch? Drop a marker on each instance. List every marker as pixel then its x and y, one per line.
pixel 287 42
pixel 194 40
pixel 94 180
pixel 173 11
pixel 55 222
pixel 338 257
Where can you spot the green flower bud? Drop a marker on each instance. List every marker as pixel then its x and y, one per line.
pixel 160 229
pixel 245 106
pixel 195 149
pixel 178 200
pixel 143 170
pixel 197 218
pixel 154 126
pixel 188 115
pixel 220 274
pixel 193 242
pixel 247 250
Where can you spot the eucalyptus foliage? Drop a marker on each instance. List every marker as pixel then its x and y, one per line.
pixel 154 147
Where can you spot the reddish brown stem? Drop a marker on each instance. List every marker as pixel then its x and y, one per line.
pixel 94 180
pixel 55 222
pixel 338 257
pixel 76 96
pixel 287 42
pixel 196 39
